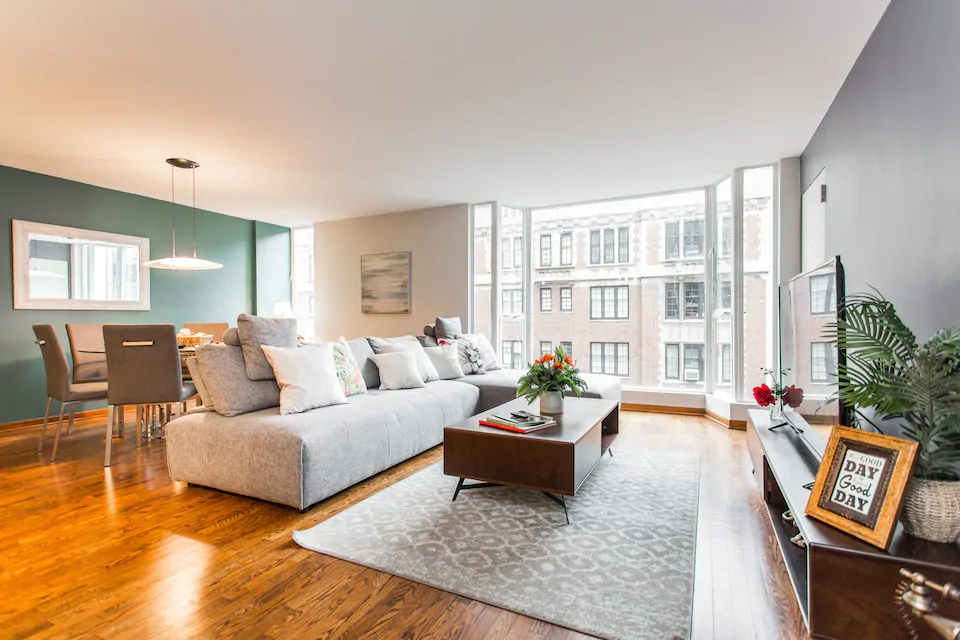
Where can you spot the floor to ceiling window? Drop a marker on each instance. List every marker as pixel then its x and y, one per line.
pixel 303 281
pixel 644 288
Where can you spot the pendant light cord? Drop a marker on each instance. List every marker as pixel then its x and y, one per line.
pixel 194 173
pixel 173 210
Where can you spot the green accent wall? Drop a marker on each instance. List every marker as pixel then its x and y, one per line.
pixel 272 284
pixel 176 296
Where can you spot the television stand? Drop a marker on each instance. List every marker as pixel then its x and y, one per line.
pixel 845 588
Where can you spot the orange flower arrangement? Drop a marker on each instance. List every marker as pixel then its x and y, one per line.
pixel 551 372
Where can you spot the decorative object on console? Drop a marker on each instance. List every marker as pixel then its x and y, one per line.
pixel 776 396
pixel 348 370
pixel 860 483
pixel 446 360
pixel 548 378
pixel 307 377
pixel 186 338
pixel 468 350
pixel 175 262
pixel 398 370
pixel 385 282
pixel 916 386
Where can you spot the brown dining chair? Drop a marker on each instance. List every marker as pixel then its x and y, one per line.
pixel 86 349
pixel 145 370
pixel 215 329
pixel 59 386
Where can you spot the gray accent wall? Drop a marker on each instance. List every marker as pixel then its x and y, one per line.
pixel 891 145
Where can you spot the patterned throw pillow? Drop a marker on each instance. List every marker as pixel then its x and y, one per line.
pixel 348 371
pixel 487 353
pixel 468 350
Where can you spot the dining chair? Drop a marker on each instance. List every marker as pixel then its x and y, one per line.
pixel 145 370
pixel 59 386
pixel 86 349
pixel 215 329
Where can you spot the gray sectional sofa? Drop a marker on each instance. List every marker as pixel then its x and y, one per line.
pixel 301 459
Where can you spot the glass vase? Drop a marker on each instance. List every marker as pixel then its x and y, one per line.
pixel 776 412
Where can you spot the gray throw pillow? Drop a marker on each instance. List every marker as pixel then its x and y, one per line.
pixel 430 330
pixel 193 366
pixel 231 337
pixel 363 353
pixel 255 332
pixel 227 386
pixel 448 327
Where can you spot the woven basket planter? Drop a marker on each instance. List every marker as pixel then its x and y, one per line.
pixel 931 510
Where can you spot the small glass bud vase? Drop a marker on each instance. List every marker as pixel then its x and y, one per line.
pixel 776 411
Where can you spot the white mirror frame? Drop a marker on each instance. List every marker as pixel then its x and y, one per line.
pixel 21 268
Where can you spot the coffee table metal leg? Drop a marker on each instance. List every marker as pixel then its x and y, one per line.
pixel 461 486
pixel 610 451
pixel 560 501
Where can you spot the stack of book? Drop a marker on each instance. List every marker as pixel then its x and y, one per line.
pixel 525 424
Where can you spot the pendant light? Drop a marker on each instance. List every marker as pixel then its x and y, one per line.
pixel 175 262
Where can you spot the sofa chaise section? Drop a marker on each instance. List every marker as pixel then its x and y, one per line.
pixel 300 459
pixel 500 386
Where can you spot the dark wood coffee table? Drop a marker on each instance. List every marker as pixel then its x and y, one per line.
pixel 554 461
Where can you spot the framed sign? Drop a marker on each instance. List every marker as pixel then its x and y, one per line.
pixel 860 483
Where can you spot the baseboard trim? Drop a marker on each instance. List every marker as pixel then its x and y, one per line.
pixel 659 408
pixel 738 425
pixel 79 416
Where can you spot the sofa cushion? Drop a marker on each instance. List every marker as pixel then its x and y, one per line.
pixel 231 392
pixel 468 350
pixel 303 458
pixel 398 370
pixel 193 366
pixel 255 332
pixel 446 360
pixel 232 337
pixel 348 369
pixel 498 387
pixel 428 372
pixel 448 327
pixel 363 353
pixel 307 377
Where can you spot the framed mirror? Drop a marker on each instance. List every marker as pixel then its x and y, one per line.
pixel 58 267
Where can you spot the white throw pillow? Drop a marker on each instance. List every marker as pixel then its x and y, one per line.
pixel 428 372
pixel 398 370
pixel 307 377
pixel 487 353
pixel 446 359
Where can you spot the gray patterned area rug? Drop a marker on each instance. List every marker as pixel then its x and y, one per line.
pixel 623 568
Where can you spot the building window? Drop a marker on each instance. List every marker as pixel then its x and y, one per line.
pixel 566 249
pixel 623 244
pixel 726 236
pixel 672 240
pixel 546 299
pixel 506 253
pixel 823 359
pixel 823 294
pixel 671 303
pixel 612 358
pixel 609 255
pixel 512 354
pixel 511 253
pixel 692 362
pixel 692 300
pixel 595 246
pixel 566 299
pixel 610 303
pixel 546 250
pixel 546 347
pixel 303 289
pixel 518 253
pixel 567 348
pixel 726 295
pixel 671 368
pixel 692 238
pixel 726 364
pixel 511 301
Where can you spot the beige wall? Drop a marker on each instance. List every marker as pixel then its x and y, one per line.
pixel 437 239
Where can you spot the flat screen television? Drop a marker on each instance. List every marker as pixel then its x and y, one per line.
pixel 811 304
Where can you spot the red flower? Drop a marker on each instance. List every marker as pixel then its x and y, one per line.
pixel 763 395
pixel 548 357
pixel 568 360
pixel 558 365
pixel 538 361
pixel 793 396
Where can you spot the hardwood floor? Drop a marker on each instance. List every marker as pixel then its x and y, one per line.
pixel 125 552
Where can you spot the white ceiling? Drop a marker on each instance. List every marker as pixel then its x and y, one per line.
pixel 300 111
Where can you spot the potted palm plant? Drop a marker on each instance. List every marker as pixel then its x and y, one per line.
pixel 548 378
pixel 915 387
